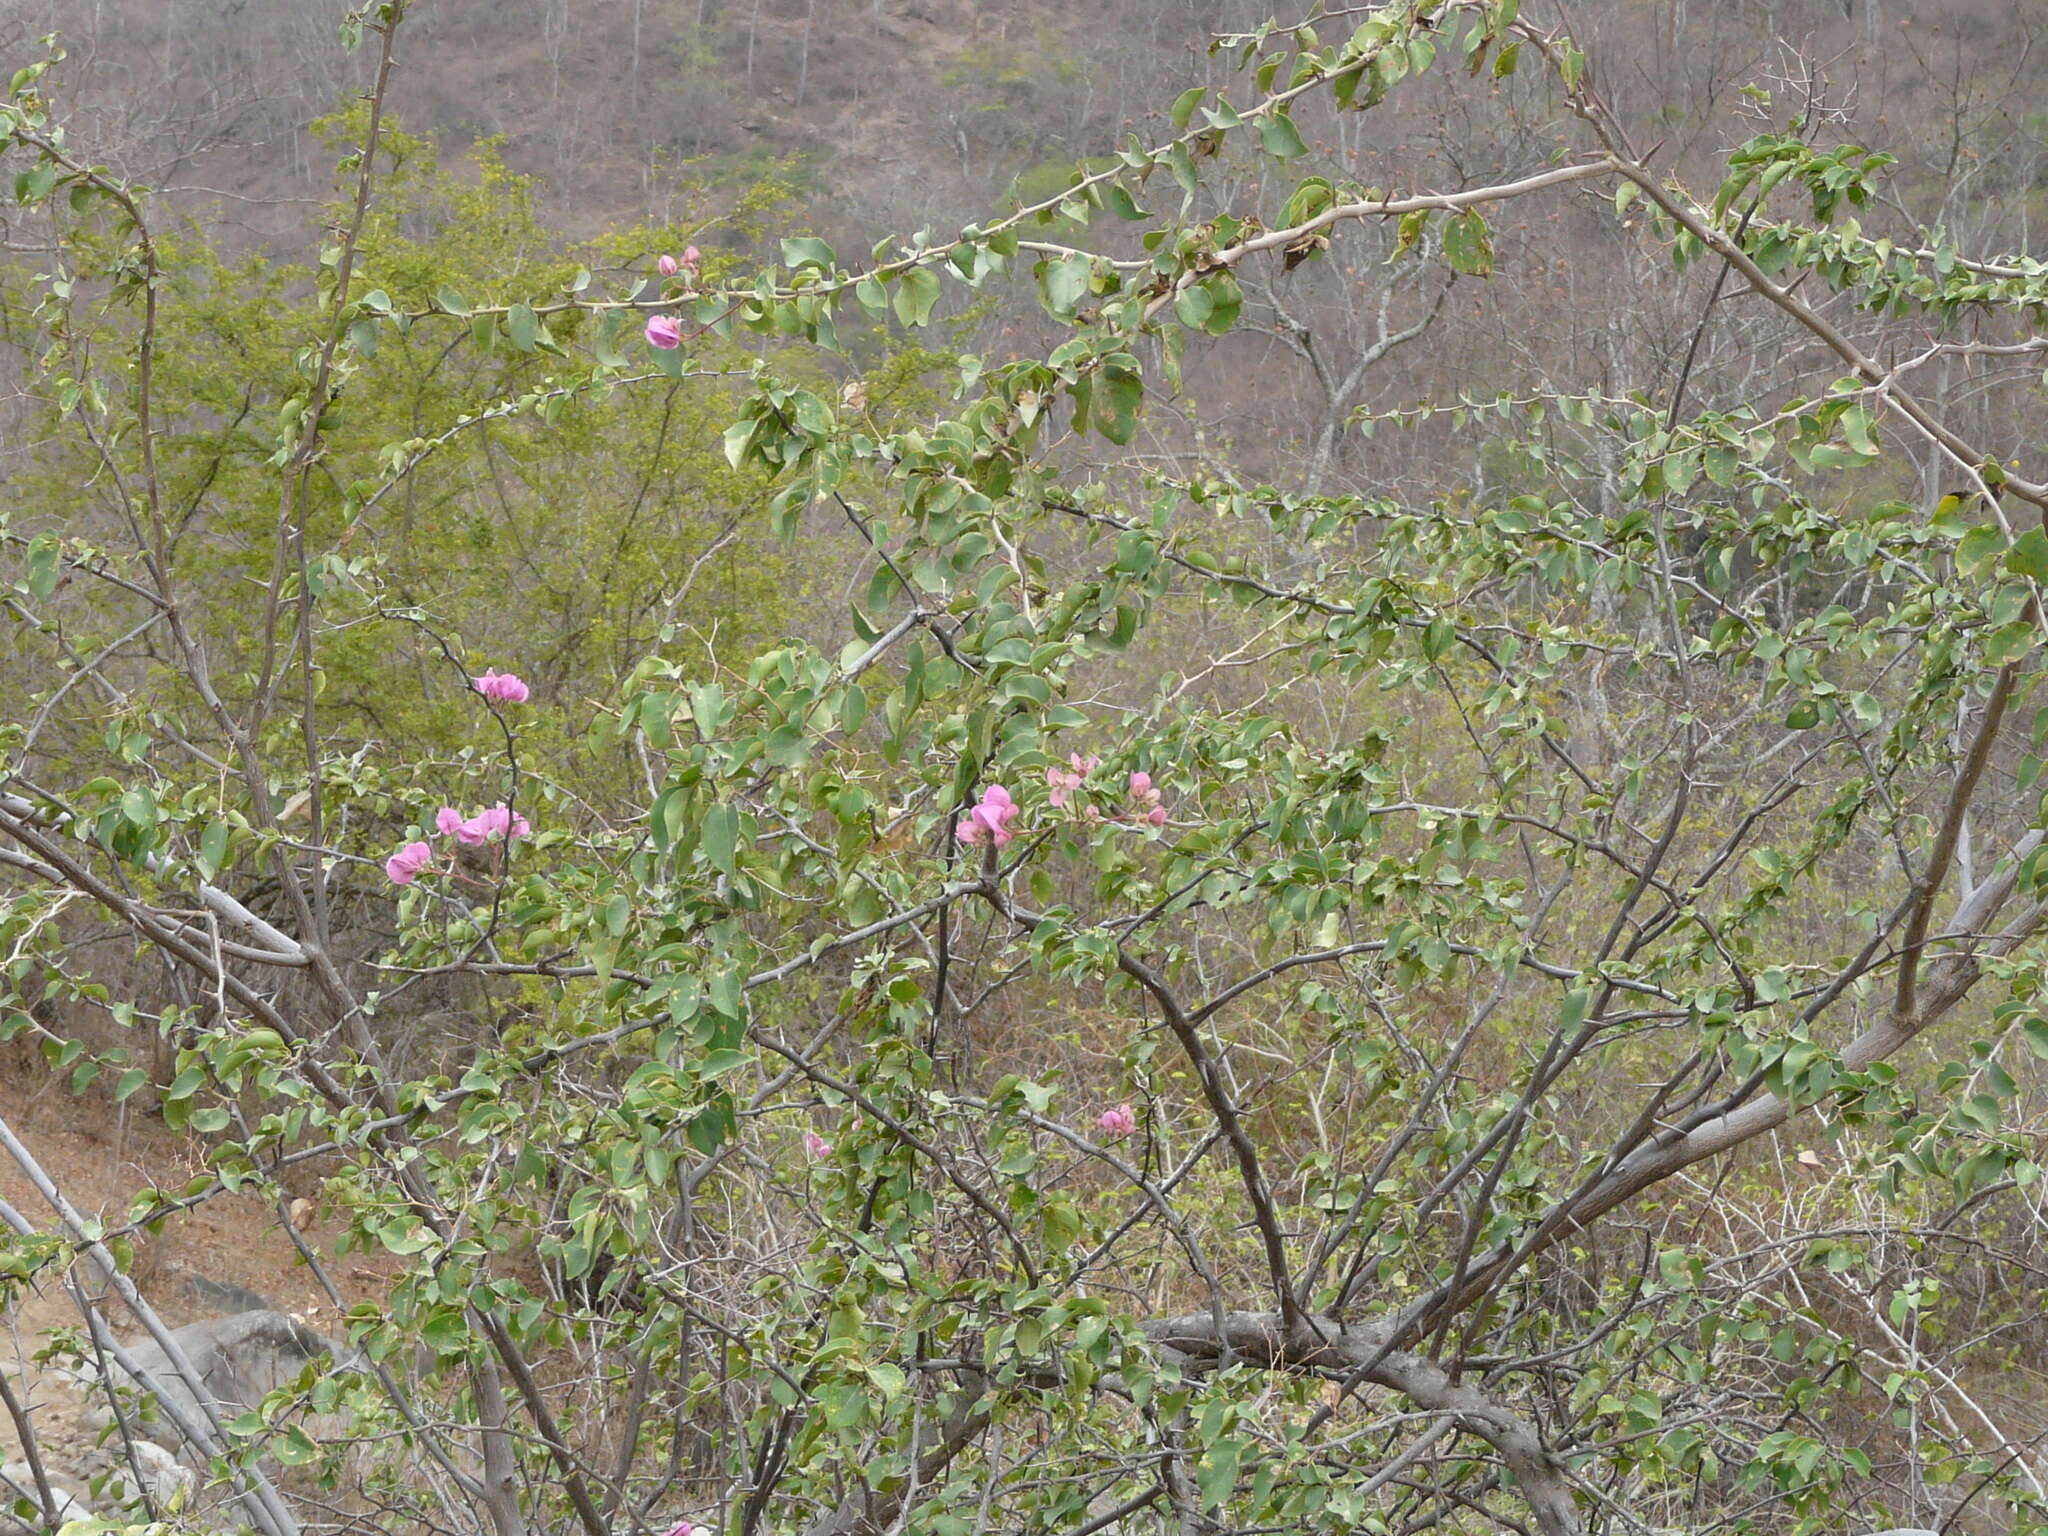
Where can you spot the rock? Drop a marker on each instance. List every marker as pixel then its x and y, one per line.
pixel 166 1480
pixel 224 1297
pixel 18 1481
pixel 240 1360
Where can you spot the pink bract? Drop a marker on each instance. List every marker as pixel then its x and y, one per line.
pixel 1065 781
pixel 501 687
pixel 404 866
pixel 665 332
pixel 989 821
pixel 499 821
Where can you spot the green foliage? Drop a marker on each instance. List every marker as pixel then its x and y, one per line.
pixel 1577 826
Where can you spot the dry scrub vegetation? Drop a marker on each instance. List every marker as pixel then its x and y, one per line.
pixel 887 766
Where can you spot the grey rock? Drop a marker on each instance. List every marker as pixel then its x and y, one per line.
pixel 224 1297
pixel 164 1479
pixel 18 1480
pixel 240 1360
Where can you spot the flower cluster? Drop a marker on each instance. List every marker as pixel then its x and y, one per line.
pixel 1141 803
pixel 666 331
pixel 500 687
pixel 1145 804
pixel 667 266
pixel 404 866
pixel 499 821
pixel 1065 781
pixel 1120 1121
pixel 989 821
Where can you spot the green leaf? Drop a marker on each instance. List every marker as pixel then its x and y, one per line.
pixel 720 1062
pixel 807 251
pixel 2036 1032
pixel 1436 639
pixel 1467 246
pixel 1308 200
pixel 1062 1225
pixel 1856 428
pixel 719 837
pixel 293 1447
pixel 44 557
pixel 1226 298
pixel 1064 284
pixel 707 1132
pixel 1217 1474
pixel 739 438
pixel 1116 404
pixel 1184 105
pixel 523 326
pixel 916 292
pixel 213 849
pixel 444 1333
pixel 1576 1003
pixel 2029 555
pixel 1277 133
pixel 1976 547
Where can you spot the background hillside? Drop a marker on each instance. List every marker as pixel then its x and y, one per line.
pixel 883 116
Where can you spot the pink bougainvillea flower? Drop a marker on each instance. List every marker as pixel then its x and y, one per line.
pixel 1065 781
pixel 691 256
pixel 501 687
pixel 989 821
pixel 499 821
pixel 666 266
pixel 404 866
pixel 687 1527
pixel 1119 1121
pixel 665 332
pixel 447 820
pixel 1145 804
pixel 817 1146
